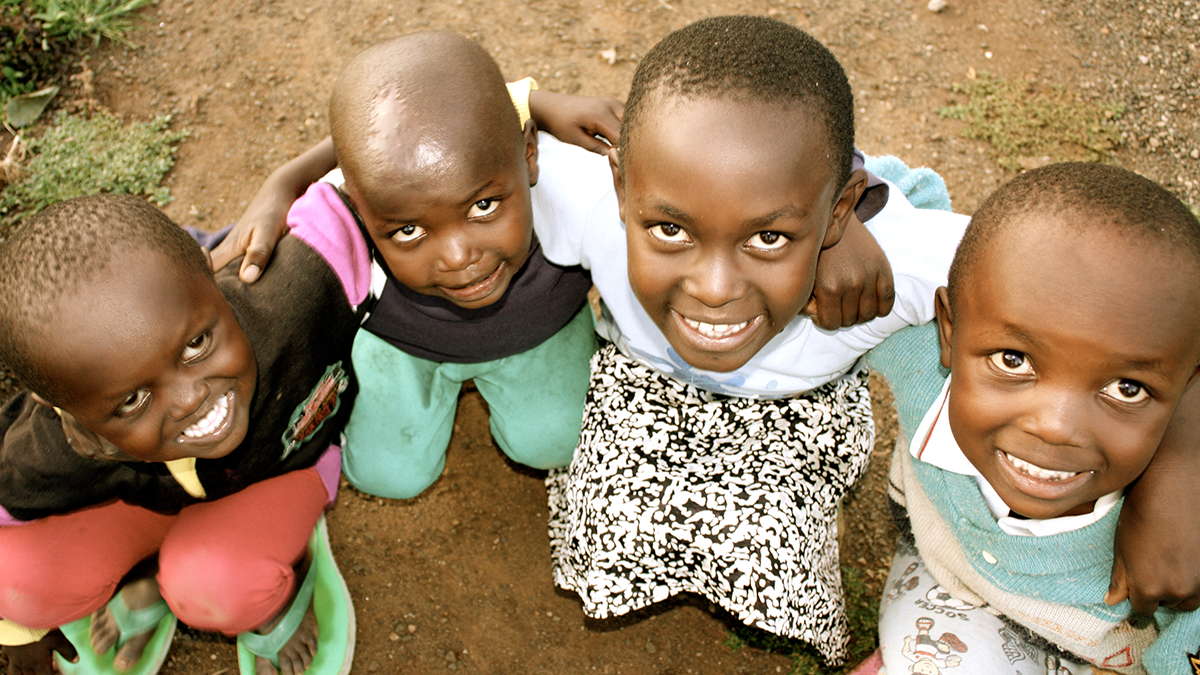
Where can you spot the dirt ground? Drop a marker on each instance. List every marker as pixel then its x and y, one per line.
pixel 459 578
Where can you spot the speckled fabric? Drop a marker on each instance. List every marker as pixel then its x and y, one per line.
pixel 676 489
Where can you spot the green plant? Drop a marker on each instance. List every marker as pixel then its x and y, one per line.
pixel 1024 122
pixel 862 611
pixel 79 156
pixel 39 39
pixel 79 19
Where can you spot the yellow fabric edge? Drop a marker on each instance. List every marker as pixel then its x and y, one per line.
pixel 183 470
pixel 519 93
pixel 15 635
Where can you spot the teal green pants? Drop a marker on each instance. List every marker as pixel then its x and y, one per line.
pixel 400 426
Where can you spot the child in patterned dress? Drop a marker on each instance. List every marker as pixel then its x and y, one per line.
pixel 722 427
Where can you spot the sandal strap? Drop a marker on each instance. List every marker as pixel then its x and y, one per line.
pixel 133 622
pixel 268 645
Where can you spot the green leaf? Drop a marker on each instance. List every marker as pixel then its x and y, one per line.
pixel 26 108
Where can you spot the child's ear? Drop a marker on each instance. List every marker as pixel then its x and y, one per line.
pixel 531 148
pixel 614 163
pixel 843 208
pixel 941 307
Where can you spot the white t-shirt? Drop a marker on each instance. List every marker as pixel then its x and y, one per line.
pixel 577 220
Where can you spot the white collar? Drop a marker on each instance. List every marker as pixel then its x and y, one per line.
pixel 934 444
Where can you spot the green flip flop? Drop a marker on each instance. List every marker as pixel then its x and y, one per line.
pixel 131 622
pixel 332 606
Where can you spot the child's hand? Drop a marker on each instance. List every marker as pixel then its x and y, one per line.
pixel 854 281
pixel 578 120
pixel 264 223
pixel 1157 549
pixel 37 658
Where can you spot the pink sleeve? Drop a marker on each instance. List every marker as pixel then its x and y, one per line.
pixel 322 220
pixel 6 519
pixel 329 468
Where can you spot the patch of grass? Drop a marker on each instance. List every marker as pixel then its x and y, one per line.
pixel 1023 122
pixel 40 38
pixel 81 156
pixel 862 610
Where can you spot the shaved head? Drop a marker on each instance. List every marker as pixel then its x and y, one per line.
pixel 416 107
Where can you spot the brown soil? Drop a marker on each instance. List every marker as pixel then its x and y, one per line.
pixel 459 578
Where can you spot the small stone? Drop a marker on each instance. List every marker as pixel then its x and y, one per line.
pixel 412 628
pixel 936 6
pixel 393 637
pixel 650 648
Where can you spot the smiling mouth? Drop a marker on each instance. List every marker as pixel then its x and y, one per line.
pixel 1036 472
pixel 476 290
pixel 715 331
pixel 213 421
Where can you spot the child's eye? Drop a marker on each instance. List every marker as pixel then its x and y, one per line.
pixel 407 233
pixel 1127 391
pixel 669 232
pixel 768 240
pixel 1011 361
pixel 133 403
pixel 483 207
pixel 197 348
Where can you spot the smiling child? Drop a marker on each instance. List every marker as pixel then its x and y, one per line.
pixel 1071 328
pixel 722 427
pixel 174 414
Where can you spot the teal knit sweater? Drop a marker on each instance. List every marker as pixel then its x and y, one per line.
pixel 1052 585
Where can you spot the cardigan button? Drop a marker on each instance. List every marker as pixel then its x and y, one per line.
pixel 991 559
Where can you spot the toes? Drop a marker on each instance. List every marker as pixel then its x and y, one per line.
pixel 264 666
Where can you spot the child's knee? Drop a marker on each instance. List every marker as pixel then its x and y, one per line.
pixel 214 590
pixel 544 446
pixel 395 484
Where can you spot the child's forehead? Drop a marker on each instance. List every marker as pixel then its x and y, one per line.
pixel 1091 273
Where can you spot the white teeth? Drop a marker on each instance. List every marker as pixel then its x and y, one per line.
pixel 212 420
pixel 716 330
pixel 1038 472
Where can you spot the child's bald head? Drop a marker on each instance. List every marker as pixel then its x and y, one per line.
pixel 418 105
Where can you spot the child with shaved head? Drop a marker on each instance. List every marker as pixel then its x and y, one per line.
pixel 178 424
pixel 1071 330
pixel 436 169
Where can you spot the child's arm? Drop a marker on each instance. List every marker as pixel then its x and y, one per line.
pixel 37 658
pixel 265 221
pixel 1157 556
pixel 591 122
pixel 854 281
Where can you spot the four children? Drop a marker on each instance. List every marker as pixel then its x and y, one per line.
pixel 721 429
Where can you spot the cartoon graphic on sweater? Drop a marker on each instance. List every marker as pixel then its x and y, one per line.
pixel 1194 661
pixel 907 582
pixel 930 656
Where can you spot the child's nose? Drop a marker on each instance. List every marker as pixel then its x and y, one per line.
pixel 189 395
pixel 458 253
pixel 715 280
pixel 1057 417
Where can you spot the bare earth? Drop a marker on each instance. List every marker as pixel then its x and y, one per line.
pixel 459 578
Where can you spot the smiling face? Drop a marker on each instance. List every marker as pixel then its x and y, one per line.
pixel 448 205
pixel 153 360
pixel 1069 349
pixel 727 205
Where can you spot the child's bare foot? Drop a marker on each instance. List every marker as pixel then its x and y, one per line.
pixel 137 594
pixel 296 656
pixel 297 653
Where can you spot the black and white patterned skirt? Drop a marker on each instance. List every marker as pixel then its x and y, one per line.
pixel 676 489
